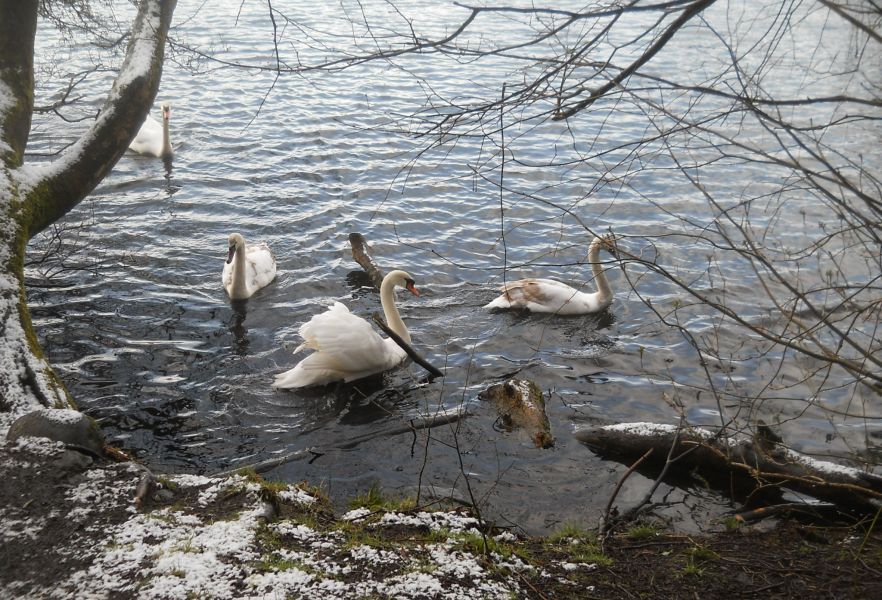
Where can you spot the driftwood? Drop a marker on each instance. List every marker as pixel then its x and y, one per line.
pixel 415 424
pixel 520 405
pixel 761 462
pixel 361 254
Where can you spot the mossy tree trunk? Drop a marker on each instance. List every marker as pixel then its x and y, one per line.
pixel 33 197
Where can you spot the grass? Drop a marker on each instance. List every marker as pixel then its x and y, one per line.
pixel 373 499
pixel 579 544
pixel 642 531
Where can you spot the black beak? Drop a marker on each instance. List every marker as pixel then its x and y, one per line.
pixel 231 254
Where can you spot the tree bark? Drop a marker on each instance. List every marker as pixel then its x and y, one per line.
pixel 31 198
pixel 18 27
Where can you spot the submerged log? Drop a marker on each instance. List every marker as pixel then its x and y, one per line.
pixel 762 462
pixel 521 405
pixel 361 254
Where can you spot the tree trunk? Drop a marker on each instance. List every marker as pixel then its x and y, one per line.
pixel 31 198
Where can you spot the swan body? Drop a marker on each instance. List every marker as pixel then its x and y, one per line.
pixel 153 137
pixel 549 296
pixel 346 346
pixel 249 267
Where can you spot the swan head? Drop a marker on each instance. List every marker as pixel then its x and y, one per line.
pixel 166 111
pixel 605 242
pixel 608 243
pixel 236 241
pixel 402 279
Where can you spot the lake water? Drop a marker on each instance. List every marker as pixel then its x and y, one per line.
pixel 150 345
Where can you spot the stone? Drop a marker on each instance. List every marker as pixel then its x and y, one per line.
pixel 70 427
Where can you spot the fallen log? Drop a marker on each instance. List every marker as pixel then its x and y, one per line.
pixel 521 405
pixel 762 463
pixel 361 254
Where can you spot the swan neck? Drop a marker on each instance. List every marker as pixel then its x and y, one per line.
pixel 166 139
pixel 390 311
pixel 597 268
pixel 239 280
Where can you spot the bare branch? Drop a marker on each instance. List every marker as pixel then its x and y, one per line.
pixel 55 189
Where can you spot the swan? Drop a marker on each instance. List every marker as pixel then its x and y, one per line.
pixel 248 268
pixel 346 346
pixel 549 296
pixel 153 138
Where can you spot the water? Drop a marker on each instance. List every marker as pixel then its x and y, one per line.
pixel 149 344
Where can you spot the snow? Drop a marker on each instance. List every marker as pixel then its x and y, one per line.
pixel 61 416
pixel 433 520
pixel 642 428
pixel 821 466
pixel 296 496
pixel 39 446
pixel 356 514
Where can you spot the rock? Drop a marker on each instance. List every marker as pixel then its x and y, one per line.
pixel 520 405
pixel 70 427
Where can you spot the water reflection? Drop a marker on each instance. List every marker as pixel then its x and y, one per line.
pixel 237 328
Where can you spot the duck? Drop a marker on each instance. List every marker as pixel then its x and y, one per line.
pixel 249 267
pixel 153 138
pixel 346 347
pixel 550 296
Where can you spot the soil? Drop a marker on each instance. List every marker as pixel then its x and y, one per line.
pixel 49 536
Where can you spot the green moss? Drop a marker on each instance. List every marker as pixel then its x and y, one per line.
pixel 59 396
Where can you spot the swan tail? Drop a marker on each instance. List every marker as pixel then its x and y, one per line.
pixel 502 301
pixel 316 369
pixel 305 375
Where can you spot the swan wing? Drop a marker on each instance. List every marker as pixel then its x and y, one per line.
pixel 347 342
pixel 261 265
pixel 346 348
pixel 227 276
pixel 548 296
pixel 149 138
pixel 536 295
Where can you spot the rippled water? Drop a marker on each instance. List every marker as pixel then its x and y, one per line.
pixel 151 346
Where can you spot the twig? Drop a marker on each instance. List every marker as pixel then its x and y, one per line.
pixel 621 481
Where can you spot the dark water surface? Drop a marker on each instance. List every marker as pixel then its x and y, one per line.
pixel 151 346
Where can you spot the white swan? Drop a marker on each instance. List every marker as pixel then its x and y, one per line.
pixel 248 268
pixel 153 138
pixel 346 346
pixel 549 296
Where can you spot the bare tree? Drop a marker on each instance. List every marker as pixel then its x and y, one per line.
pixel 754 88
pixel 33 197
